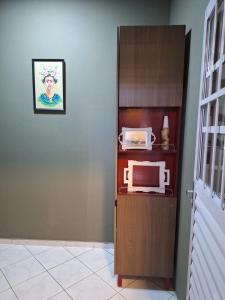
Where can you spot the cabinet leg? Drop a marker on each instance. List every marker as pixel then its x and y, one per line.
pixel 167 283
pixel 119 281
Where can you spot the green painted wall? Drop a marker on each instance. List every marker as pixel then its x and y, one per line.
pixel 57 171
pixel 190 13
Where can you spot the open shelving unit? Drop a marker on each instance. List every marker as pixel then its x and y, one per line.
pixel 150 82
pixel 149 117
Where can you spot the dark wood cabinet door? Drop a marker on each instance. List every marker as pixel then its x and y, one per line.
pixel 145 236
pixel 151 60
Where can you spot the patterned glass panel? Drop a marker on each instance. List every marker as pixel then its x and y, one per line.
pixel 215 77
pixel 209 42
pixel 219 25
pixel 223 77
pixel 218 164
pixel 221 116
pixel 203 115
pixel 207 58
pixel 205 91
pixel 200 156
pixel 209 159
pixel 212 114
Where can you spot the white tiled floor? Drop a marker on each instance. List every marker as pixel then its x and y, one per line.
pixel 30 272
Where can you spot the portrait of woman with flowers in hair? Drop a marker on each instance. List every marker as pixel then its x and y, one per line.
pixel 48 86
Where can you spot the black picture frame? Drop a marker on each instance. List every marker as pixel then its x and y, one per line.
pixel 49 77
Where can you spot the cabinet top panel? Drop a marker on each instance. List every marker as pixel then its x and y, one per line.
pixel 150 68
pixel 151 28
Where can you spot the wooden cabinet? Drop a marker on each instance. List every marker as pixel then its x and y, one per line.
pixel 150 85
pixel 151 66
pixel 145 239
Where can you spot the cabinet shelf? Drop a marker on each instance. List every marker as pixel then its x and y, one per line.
pixel 169 193
pixel 146 152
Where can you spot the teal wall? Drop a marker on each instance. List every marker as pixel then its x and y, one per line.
pixel 190 13
pixel 57 171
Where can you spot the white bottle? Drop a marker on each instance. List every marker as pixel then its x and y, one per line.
pixel 165 134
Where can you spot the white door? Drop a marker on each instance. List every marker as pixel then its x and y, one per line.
pixel 206 274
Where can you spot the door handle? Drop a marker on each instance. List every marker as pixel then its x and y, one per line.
pixel 190 194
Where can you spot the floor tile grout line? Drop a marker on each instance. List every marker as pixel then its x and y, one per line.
pixel 47 270
pixel 75 283
pixel 52 278
pixel 34 255
pixel 117 294
pixel 170 293
pixel 26 246
pixel 92 273
pixel 113 297
pixel 85 265
pixel 73 257
pixel 54 266
pixel 96 273
pixel 103 267
pixel 109 284
pixel 78 254
pixel 59 294
pixel 89 275
pixel 173 293
pixel 171 298
pixel 108 252
pixel 123 296
pixel 10 286
pixel 93 270
pixel 3 291
pixel 18 261
pixel 15 285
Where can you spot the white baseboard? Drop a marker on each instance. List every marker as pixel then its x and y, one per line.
pixel 57 243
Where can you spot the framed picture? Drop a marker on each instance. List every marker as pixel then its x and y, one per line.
pixel 49 86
